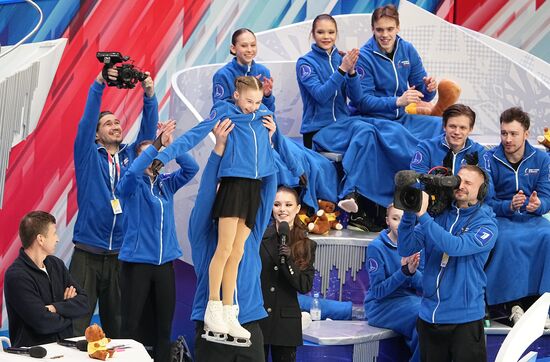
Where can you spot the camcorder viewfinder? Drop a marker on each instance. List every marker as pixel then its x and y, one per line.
pixel 128 74
pixel 440 187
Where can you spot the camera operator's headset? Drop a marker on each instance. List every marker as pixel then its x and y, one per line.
pixel 484 188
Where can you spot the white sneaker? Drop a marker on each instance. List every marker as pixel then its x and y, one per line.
pixel 517 313
pixel 235 328
pixel 214 320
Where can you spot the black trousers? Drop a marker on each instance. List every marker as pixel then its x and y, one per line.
pixel 149 299
pixel 98 276
pixel 308 139
pixel 206 351
pixel 280 353
pixel 451 342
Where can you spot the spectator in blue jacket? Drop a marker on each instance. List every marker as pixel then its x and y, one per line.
pixel 521 177
pixel 243 48
pixel 392 300
pixel 100 160
pixel 42 298
pixel 203 236
pixel 456 243
pixel 326 79
pixel 147 280
pixel 392 76
pixel 453 148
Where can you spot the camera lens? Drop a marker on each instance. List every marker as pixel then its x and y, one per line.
pixel 410 198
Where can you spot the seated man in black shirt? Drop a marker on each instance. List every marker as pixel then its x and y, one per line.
pixel 41 297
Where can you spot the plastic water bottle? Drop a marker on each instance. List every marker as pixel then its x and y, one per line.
pixel 315 310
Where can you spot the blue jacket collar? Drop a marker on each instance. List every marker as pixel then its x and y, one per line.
pixel 243 68
pixel 384 236
pixel 499 153
pixel 322 52
pixel 468 210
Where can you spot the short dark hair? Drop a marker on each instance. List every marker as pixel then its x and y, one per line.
pixel 516 114
pixel 456 110
pixel 32 224
pixel 389 11
pixel 236 35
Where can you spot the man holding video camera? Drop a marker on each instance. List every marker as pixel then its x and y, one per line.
pixel 457 243
pixel 100 160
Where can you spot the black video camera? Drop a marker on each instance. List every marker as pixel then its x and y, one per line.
pixel 440 187
pixel 128 74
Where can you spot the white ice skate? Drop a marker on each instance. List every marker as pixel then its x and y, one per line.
pixel 241 337
pixel 215 326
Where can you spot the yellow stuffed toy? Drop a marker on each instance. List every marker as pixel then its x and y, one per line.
pixel 545 139
pixel 97 343
pixel 325 219
pixel 448 94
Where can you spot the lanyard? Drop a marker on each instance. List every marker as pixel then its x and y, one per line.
pixel 114 170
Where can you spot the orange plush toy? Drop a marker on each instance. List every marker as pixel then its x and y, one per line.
pixel 448 93
pixel 545 139
pixel 97 343
pixel 325 219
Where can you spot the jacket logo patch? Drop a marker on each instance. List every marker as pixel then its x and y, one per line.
pixel 213 114
pixel 218 90
pixel 125 161
pixel 373 265
pixel 305 71
pixel 403 64
pixel 484 235
pixel 417 158
pixel 531 171
pixel 360 71
pixel 486 158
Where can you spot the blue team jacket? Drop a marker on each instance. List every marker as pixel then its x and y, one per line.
pixel 323 89
pixel 467 236
pixel 150 235
pixel 203 237
pixel 385 275
pixel 224 81
pixel 383 80
pixel 430 153
pixel 533 174
pixel 96 224
pixel 248 152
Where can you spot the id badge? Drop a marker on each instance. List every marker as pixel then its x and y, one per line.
pixel 117 208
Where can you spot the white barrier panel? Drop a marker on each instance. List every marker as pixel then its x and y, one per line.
pixel 26 75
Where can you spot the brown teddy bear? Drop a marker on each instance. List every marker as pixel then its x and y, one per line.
pixel 448 93
pixel 545 139
pixel 325 219
pixel 97 343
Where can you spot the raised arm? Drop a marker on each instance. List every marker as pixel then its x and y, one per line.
pixel 309 78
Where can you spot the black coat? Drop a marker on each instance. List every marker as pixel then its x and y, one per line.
pixel 28 290
pixel 280 284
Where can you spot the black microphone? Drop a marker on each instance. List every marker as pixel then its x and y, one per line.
pixel 35 352
pixel 405 178
pixel 81 345
pixel 284 230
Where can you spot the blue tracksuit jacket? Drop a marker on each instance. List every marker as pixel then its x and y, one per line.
pixel 150 230
pixel 323 89
pixel 533 174
pixel 248 153
pixel 453 294
pixel 524 237
pixel 203 236
pixel 96 225
pixel 383 80
pixel 224 81
pixel 432 152
pixel 392 300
